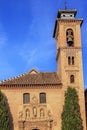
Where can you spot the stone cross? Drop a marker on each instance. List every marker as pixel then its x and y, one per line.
pixel 65 4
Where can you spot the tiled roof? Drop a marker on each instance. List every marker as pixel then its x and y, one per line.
pixel 34 78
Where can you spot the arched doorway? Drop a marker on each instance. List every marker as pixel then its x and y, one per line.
pixel 35 129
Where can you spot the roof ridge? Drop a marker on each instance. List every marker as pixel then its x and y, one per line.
pixel 48 72
pixel 33 71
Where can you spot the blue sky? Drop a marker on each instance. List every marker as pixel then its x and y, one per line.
pixel 26 35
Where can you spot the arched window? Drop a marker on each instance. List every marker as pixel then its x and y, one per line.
pixel 26 98
pixel 69 60
pixel 27 113
pixel 72 80
pixel 73 60
pixel 70 37
pixel 42 97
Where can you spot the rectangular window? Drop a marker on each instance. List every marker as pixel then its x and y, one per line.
pixel 26 98
pixel 42 97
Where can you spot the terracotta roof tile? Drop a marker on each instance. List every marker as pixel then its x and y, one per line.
pixel 34 78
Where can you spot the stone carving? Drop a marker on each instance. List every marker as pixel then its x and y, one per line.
pixel 34 100
pixel 49 113
pixel 27 114
pixel 20 115
pixel 35 111
pixel 41 113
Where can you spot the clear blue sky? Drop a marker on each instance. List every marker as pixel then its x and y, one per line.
pixel 26 30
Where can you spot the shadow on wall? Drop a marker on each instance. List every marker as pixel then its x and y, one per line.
pixel 10 115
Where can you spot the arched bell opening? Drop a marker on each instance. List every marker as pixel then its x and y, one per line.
pixel 70 38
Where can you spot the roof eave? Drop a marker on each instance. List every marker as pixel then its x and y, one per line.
pixel 23 85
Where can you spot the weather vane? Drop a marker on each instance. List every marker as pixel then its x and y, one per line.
pixel 65 3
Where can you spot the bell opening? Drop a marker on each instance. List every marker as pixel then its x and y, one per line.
pixel 70 43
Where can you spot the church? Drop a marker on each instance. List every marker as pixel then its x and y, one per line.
pixel 35 99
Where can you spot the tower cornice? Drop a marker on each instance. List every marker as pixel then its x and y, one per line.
pixel 70 20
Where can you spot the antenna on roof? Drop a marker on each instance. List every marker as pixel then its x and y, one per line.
pixel 65 4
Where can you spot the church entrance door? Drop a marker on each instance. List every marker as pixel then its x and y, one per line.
pixel 35 129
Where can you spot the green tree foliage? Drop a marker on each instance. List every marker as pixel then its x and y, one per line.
pixel 4 116
pixel 71 117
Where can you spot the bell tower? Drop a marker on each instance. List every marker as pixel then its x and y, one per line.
pixel 69 53
pixel 69 48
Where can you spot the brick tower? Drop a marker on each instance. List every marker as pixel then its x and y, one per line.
pixel 69 53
